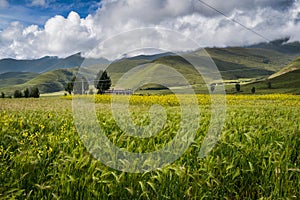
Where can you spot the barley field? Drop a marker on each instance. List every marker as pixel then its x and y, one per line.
pixel 256 157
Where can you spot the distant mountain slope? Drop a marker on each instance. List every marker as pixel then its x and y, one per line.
pixel 39 65
pixel 285 83
pixel 14 78
pixel 151 57
pixel 233 63
pixel 289 80
pixel 280 45
pixel 286 80
pixel 288 77
pixel 47 82
pixel 46 64
pixel 293 66
pixel 266 59
pixel 55 80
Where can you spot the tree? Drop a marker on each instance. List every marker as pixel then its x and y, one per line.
pixel 81 85
pixel 35 93
pixel 102 82
pixel 238 87
pixel 269 85
pixel 2 95
pixel 26 93
pixel 17 94
pixel 253 90
pixel 70 85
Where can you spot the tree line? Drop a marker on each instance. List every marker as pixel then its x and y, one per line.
pixel 32 93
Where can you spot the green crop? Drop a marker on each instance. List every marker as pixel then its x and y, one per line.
pixel 257 156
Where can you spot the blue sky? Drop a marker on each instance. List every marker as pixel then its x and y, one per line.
pixel 39 11
pixel 35 28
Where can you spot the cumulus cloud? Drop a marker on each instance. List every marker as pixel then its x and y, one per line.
pixel 60 36
pixel 63 36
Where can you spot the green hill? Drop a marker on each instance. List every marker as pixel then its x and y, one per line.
pixel 295 65
pixel 235 64
pixel 47 82
pixel 15 78
pixel 286 80
pixel 256 58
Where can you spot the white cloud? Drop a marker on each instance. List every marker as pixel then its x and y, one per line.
pixel 60 36
pixel 38 3
pixel 64 36
pixel 3 3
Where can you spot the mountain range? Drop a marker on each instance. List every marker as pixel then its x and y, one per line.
pixel 46 63
pixel 276 61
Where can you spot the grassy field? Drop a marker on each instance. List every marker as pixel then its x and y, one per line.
pixel 257 156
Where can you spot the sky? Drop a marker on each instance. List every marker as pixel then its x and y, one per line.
pixel 32 29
